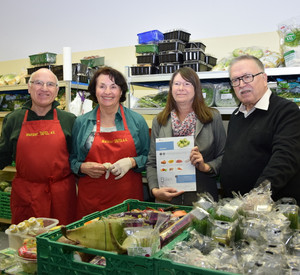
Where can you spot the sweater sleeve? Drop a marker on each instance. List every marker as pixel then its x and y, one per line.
pixel 284 162
pixel 151 162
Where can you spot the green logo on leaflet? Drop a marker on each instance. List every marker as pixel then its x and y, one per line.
pixel 290 37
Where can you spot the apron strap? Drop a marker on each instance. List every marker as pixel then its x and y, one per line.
pixel 25 117
pixel 55 114
pixel 122 114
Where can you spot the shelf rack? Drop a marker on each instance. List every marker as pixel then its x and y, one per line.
pixel 156 80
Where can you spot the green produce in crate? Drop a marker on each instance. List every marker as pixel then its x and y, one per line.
pixel 3 185
pixel 97 234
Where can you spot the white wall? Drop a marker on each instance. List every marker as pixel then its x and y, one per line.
pixel 33 26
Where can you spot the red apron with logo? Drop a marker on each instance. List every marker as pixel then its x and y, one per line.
pixel 44 185
pixel 99 194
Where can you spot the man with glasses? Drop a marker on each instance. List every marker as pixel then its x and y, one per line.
pixel 38 138
pixel 263 141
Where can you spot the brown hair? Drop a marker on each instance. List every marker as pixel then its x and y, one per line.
pixel 113 74
pixel 202 111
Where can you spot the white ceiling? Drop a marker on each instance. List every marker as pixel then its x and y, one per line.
pixel 33 26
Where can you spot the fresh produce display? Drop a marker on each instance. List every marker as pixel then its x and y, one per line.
pixel 4 185
pixel 225 96
pixel 208 93
pixel 10 102
pixel 32 227
pixel 7 259
pixel 255 51
pixel 136 232
pixel 270 59
pixel 251 234
pixel 11 79
pixel 289 89
pixel 29 266
pixel 289 32
pixel 152 101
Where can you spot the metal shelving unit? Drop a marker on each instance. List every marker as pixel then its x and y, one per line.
pixel 68 85
pixel 156 80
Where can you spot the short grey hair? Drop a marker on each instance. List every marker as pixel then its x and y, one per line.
pixel 247 57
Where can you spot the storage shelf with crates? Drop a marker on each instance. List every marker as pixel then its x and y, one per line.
pixel 155 81
pixel 68 85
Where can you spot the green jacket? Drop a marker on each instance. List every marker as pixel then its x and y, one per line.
pixel 12 124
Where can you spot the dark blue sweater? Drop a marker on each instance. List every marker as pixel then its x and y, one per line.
pixel 265 145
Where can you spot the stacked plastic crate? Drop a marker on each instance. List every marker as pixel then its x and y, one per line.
pixel 195 58
pixel 167 52
pixel 177 51
pixel 171 51
pixel 147 53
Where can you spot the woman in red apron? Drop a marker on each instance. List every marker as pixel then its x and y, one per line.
pixel 120 148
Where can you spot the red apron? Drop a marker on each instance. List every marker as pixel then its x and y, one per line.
pixel 99 194
pixel 44 185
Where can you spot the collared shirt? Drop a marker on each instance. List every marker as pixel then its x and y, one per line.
pixel 262 104
pixel 85 124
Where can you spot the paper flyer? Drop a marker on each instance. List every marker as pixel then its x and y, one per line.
pixel 174 168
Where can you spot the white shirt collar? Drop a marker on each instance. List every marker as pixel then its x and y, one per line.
pixel 262 104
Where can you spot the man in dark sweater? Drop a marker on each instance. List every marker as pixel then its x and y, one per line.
pixel 263 141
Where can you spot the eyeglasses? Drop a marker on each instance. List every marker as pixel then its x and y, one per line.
pixel 185 84
pixel 40 84
pixel 247 78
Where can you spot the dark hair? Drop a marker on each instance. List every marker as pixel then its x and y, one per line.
pixel 202 111
pixel 113 74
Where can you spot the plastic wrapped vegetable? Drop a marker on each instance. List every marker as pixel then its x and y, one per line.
pixel 97 234
pixel 152 101
pixel 223 64
pixel 255 51
pixel 289 89
pixel 225 96
pixel 289 32
pixel 183 223
pixel 289 208
pixel 208 93
pixel 222 231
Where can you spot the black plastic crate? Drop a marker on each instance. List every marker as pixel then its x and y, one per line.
pixel 80 78
pixel 197 66
pixel 170 57
pixel 193 54
pixel 171 45
pixel 195 45
pixel 142 70
pixel 148 59
pixel 34 69
pixel 177 34
pixel 77 69
pixel 211 60
pixel 169 68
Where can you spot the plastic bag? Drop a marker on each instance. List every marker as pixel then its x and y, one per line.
pixel 289 33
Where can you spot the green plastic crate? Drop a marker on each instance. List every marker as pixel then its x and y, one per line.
pixel 146 48
pixel 168 267
pixel 5 211
pixel 43 58
pixel 58 258
pixel 93 62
